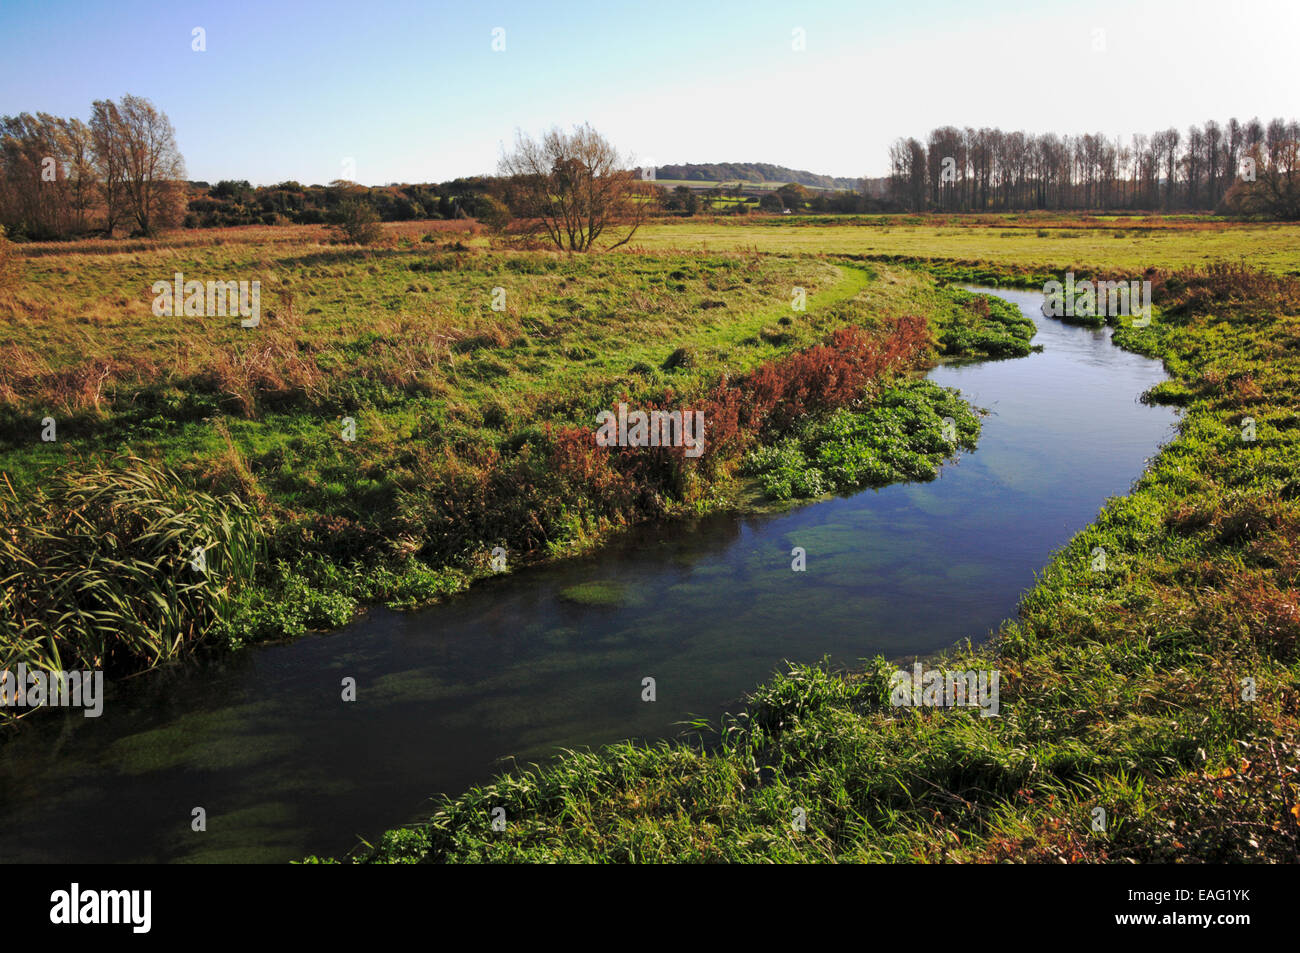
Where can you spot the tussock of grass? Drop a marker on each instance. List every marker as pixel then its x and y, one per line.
pixel 118 566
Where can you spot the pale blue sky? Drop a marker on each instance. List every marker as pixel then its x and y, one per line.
pixel 412 91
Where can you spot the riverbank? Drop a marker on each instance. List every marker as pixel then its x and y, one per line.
pixel 1149 687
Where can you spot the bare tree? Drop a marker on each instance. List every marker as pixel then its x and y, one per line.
pixel 574 186
pixel 25 143
pixel 141 166
pixel 80 175
pixel 107 144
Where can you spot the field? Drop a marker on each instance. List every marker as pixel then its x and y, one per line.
pixel 1050 243
pixel 1016 240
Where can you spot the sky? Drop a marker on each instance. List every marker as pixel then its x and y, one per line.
pixel 383 91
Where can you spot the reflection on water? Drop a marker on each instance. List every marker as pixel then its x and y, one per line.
pixel 555 657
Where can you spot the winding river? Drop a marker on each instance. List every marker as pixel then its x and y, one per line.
pixel 526 664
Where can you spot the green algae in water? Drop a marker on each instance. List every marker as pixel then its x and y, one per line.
pixel 198 741
pixel 599 593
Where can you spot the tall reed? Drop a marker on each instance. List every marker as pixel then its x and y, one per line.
pixel 119 567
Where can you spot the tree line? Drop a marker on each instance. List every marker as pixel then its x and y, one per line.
pixel 236 202
pixel 122 171
pixel 1239 168
pixel 61 177
pixel 752 172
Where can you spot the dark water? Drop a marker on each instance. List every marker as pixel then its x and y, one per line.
pixel 709 609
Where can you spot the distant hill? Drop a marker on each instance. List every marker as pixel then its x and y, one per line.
pixel 752 172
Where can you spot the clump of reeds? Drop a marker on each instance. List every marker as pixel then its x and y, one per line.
pixel 120 567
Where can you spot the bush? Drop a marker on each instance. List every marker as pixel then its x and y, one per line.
pixel 357 221
pixel 492 213
pixel 683 357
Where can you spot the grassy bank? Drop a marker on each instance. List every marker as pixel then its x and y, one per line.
pixel 1150 699
pixel 472 380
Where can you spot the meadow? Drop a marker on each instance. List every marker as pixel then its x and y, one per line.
pixel 1014 241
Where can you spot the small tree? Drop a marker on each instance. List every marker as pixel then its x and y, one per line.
pixel 574 186
pixel 357 221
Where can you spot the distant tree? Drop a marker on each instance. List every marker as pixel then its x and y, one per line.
pixel 907 162
pixel 47 178
pixel 1169 140
pixel 793 195
pixel 237 191
pixel 771 202
pixel 356 220
pixel 574 186
pixel 81 176
pixel 1275 191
